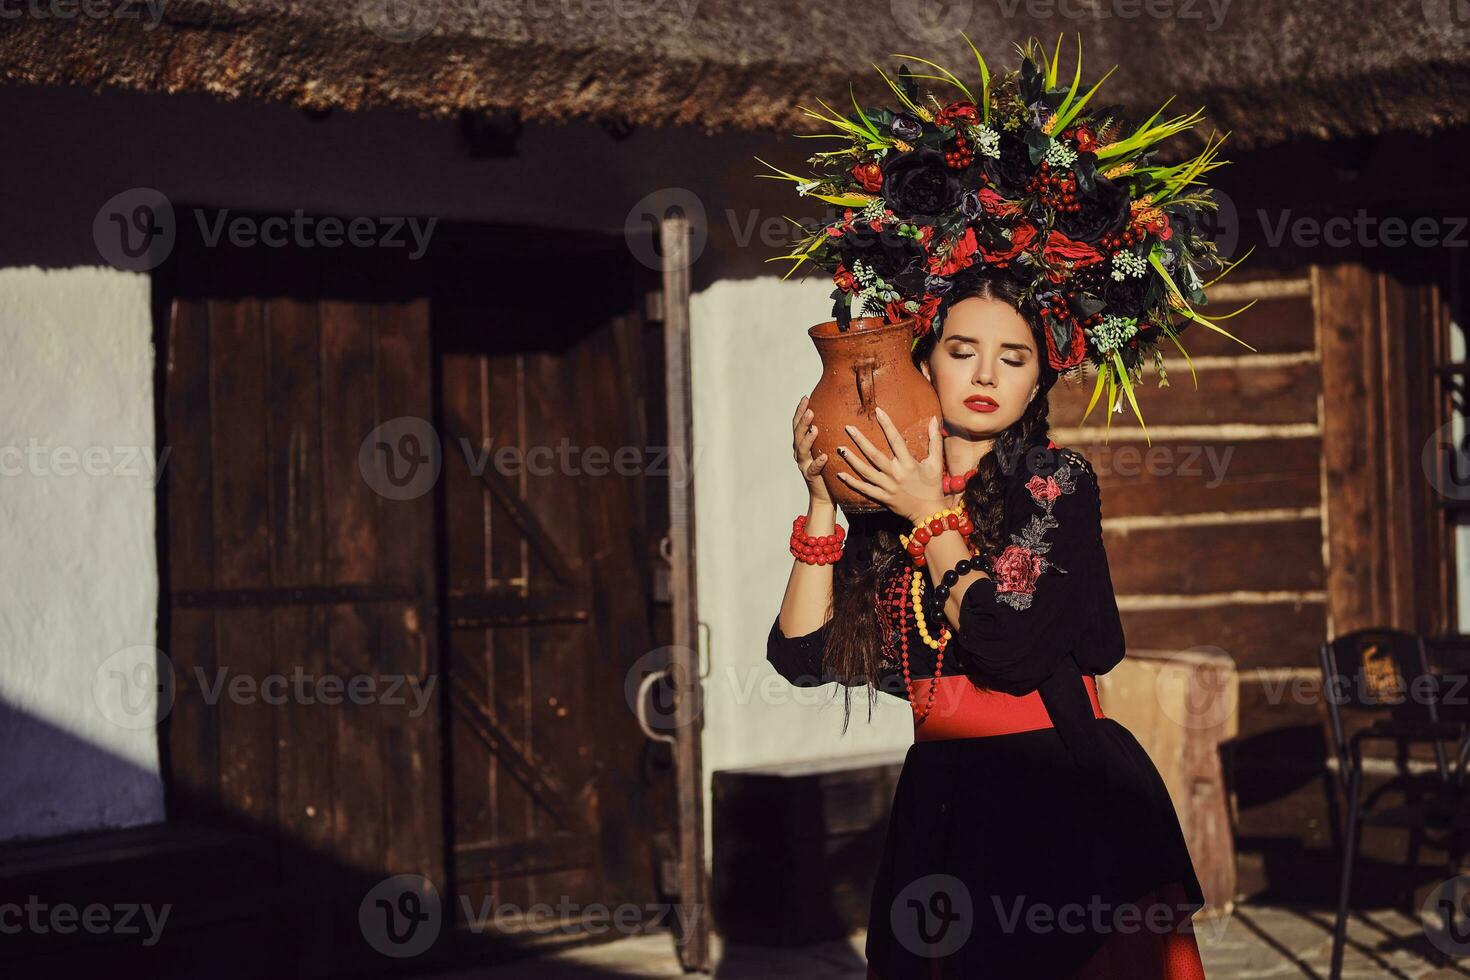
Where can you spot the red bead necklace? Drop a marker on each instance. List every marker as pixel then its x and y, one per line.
pixel 955 484
pixel 898 599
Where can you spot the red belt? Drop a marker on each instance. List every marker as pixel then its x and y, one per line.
pixel 961 711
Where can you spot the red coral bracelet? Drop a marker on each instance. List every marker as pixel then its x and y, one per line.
pixel 822 549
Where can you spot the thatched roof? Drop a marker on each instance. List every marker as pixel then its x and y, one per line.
pixel 1265 69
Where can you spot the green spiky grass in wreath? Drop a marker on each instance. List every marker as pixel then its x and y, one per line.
pixel 1018 173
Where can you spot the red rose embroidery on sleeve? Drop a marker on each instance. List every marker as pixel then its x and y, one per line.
pixel 1043 489
pixel 1019 567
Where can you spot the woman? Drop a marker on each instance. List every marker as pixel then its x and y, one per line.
pixel 1030 836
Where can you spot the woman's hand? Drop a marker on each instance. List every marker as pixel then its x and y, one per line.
pixel 802 435
pixel 911 488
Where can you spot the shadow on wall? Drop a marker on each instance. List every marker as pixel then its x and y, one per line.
pixel 55 783
pixel 217 897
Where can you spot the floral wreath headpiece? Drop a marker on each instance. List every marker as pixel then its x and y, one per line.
pixel 1108 246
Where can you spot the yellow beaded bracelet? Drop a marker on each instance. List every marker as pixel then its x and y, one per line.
pixel 918 552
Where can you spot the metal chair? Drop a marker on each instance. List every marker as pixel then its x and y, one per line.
pixel 1386 672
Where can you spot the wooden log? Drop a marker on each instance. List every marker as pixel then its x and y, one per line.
pixel 1182 706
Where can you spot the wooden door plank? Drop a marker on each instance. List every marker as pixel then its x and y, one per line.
pixel 349 413
pixel 192 726
pixel 466 570
pixel 560 716
pixel 409 645
pixel 615 535
pixel 242 538
pixel 306 776
pixel 509 675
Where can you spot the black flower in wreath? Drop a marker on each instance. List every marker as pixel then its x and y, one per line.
pixel 906 126
pixel 1131 295
pixel 1012 169
pixel 1103 212
pixel 897 259
pixel 918 184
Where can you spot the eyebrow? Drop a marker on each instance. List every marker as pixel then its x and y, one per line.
pixel 971 340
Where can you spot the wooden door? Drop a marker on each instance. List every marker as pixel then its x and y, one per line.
pixel 283 558
pixel 547 589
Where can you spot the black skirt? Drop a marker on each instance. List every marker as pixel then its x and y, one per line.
pixel 998 861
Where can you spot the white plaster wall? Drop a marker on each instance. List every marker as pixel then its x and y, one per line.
pixel 751 362
pixel 79 580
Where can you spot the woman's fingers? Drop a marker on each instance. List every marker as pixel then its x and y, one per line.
pixel 894 437
pixel 877 493
pixel 801 411
pixel 804 447
pixel 815 465
pixel 862 467
pixel 880 459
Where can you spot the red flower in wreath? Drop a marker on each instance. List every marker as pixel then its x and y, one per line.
pixel 923 319
pixel 958 112
pixel 843 279
pixel 992 202
pixel 1023 236
pixel 1159 225
pixel 961 255
pixel 869 175
pixel 1044 489
pixel 1074 354
pixel 1060 248
pixel 1017 569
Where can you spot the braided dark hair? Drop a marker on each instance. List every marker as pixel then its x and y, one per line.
pixel 854 645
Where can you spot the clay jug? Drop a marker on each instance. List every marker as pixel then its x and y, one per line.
pixel 863 367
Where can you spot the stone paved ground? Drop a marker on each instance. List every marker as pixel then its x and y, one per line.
pixel 1254 942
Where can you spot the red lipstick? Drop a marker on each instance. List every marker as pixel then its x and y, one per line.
pixel 981 403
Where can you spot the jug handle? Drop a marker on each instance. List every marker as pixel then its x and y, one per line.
pixel 863 370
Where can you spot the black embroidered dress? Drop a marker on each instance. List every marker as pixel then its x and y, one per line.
pixel 1048 831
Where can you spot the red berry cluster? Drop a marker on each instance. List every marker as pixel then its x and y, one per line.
pixel 1131 235
pixel 824 549
pixel 1057 193
pixel 1058 307
pixel 959 157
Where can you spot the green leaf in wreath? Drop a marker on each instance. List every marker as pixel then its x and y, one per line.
pixel 1086 170
pixel 1037 142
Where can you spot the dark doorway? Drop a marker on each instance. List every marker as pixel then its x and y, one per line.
pixel 505 596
